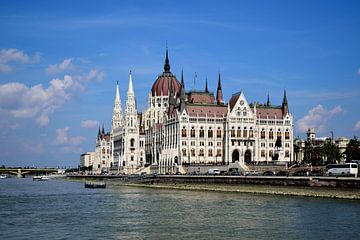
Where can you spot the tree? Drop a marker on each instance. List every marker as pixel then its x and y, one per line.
pixel 330 152
pixel 353 150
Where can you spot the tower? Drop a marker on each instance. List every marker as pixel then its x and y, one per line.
pixel 117 111
pixel 285 107
pixel 131 130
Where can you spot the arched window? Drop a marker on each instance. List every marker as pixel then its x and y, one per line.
pixel 103 150
pixel 184 152
pixel 232 132
pixel 270 153
pixel 287 134
pixel 251 133
pixel 245 133
pixel 210 133
pixel 238 134
pixel 193 152
pixel 262 153
pixel 201 152
pixel 278 134
pixel 132 142
pixel 218 133
pixel 210 152
pixel 183 132
pixel 287 153
pixel 262 134
pixel 271 134
pixel 192 132
pixel 202 132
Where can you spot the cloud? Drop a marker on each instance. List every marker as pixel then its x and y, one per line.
pixel 359 71
pixel 63 139
pixel 357 126
pixel 66 65
pixel 20 101
pixel 89 124
pixel 15 55
pixel 317 118
pixel 62 135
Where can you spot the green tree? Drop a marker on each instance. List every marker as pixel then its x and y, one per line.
pixel 330 152
pixel 353 150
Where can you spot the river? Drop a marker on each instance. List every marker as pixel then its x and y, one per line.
pixel 61 209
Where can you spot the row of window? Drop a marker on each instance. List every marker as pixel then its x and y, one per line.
pixel 201 134
pixel 202 152
pixel 271 134
pixel 287 145
pixel 202 143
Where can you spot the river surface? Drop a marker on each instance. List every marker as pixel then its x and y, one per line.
pixel 61 209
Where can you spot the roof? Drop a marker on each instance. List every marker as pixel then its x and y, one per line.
pixel 233 100
pixel 201 97
pixel 162 83
pixel 206 110
pixel 269 112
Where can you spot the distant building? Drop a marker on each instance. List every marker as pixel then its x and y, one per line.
pixel 87 159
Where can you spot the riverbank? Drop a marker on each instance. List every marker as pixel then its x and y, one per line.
pixel 335 193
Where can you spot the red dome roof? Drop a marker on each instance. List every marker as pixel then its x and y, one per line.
pixel 162 83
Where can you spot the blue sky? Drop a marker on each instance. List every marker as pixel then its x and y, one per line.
pixel 60 60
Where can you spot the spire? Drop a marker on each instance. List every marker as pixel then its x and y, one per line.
pixel 268 101
pixel 182 78
pixel 103 130
pixel 219 96
pixel 285 107
pixel 167 63
pixel 206 86
pixel 130 89
pixel 285 102
pixel 99 133
pixel 117 111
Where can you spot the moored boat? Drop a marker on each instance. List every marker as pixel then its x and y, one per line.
pixel 3 176
pixel 95 185
pixel 40 178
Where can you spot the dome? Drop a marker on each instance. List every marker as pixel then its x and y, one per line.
pixel 162 84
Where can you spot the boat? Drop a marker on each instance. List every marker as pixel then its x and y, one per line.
pixel 95 185
pixel 3 176
pixel 40 178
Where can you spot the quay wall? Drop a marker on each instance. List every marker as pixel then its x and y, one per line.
pixel 332 182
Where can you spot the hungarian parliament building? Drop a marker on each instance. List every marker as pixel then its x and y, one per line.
pixel 183 128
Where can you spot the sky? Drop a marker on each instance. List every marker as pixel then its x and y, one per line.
pixel 60 60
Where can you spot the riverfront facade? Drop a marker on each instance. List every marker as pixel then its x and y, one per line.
pixel 181 128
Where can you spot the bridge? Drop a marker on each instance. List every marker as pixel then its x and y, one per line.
pixel 21 172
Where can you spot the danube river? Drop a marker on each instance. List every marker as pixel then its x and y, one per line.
pixel 60 209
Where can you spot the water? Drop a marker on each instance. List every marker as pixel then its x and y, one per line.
pixel 59 209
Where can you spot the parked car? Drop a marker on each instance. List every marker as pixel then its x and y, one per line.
pixel 268 173
pixel 252 173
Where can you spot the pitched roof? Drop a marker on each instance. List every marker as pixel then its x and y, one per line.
pixel 233 100
pixel 269 112
pixel 201 97
pixel 206 110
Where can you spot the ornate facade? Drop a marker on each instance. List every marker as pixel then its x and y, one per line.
pixel 182 128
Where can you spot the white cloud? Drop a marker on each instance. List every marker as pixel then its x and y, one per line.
pixel 357 126
pixel 94 74
pixel 66 65
pixel 15 55
pixel 20 101
pixel 317 118
pixel 89 124
pixel 62 135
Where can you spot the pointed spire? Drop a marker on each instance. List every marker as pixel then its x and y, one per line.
pixel 103 130
pixel 99 133
pixel 285 102
pixel 117 110
pixel 131 89
pixel 219 96
pixel 268 101
pixel 167 63
pixel 285 107
pixel 206 86
pixel 182 78
pixel 117 94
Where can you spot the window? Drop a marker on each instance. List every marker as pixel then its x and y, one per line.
pixel 218 152
pixel 210 152
pixel 192 132
pixel 202 132
pixel 183 143
pixel 103 150
pixel 251 133
pixel 232 132
pixel 262 144
pixel 278 134
pixel 218 144
pixel 287 153
pixel 210 133
pixel 184 152
pixel 132 142
pixel 270 153
pixel 132 158
pixel 238 133
pixel 211 144
pixel 262 134
pixel 202 143
pixel 271 134
pixel 192 143
pixel 287 145
pixel 218 133
pixel 287 134
pixel 193 152
pixel 271 145
pixel 201 152
pixel 262 153
pixel 245 133
pixel 183 132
